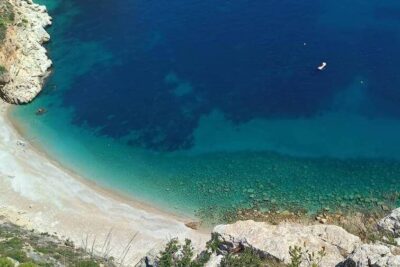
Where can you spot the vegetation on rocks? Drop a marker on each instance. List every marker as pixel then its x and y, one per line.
pixel 177 255
pixel 2 69
pixel 298 255
pixel 32 249
pixel 246 258
pixel 25 248
pixel 6 17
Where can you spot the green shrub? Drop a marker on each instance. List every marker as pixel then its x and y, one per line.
pixel 87 263
pixel 4 262
pixel 214 243
pixel 297 254
pixel 2 69
pixel 7 16
pixel 3 30
pixel 187 254
pixel 28 264
pixel 13 248
pixel 248 258
pixel 168 257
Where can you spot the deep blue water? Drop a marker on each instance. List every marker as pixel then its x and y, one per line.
pixel 196 103
pixel 246 59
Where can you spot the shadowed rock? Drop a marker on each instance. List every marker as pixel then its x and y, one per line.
pixel 391 223
pixel 372 255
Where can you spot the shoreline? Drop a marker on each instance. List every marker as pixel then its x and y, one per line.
pixel 112 193
pixel 38 193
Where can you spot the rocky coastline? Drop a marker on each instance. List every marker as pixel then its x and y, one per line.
pixel 299 245
pixel 22 56
pixel 26 66
pixel 243 243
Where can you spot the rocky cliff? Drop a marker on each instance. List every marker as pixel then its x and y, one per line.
pixel 23 58
pixel 340 248
pixel 260 244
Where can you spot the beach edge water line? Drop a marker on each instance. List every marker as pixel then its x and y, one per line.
pixel 117 195
pixel 38 194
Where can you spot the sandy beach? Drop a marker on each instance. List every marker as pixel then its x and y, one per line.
pixel 38 193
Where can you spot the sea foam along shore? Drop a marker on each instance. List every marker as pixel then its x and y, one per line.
pixel 38 194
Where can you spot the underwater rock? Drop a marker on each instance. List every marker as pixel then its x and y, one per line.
pixel 40 111
pixel 385 208
pixel 193 225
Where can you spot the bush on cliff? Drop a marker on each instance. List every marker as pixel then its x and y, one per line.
pixel 246 258
pixel 7 16
pixel 177 255
pixel 44 250
pixel 2 69
pixel 4 262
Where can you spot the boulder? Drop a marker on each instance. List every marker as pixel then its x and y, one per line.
pixel 391 223
pixel 376 255
pixel 273 241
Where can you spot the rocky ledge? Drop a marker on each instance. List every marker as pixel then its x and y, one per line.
pixel 275 241
pixel 22 53
pixel 260 244
pixel 340 248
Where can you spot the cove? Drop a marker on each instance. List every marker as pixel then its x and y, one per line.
pixel 197 105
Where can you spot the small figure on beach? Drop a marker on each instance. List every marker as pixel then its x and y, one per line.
pixel 322 66
pixel 40 111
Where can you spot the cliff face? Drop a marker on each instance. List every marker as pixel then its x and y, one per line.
pixel 22 56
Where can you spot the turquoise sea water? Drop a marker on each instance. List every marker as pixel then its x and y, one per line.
pixel 197 104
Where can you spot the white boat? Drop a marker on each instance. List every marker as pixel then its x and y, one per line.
pixel 322 66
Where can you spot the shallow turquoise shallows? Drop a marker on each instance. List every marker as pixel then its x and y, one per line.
pixel 202 105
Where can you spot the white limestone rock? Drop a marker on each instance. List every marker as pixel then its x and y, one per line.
pixel 391 223
pixel 22 53
pixel 214 260
pixel 274 240
pixel 372 255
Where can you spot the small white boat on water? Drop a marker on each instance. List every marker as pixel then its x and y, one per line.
pixel 322 66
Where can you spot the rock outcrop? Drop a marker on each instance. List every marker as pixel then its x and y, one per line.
pixel 273 241
pixel 276 243
pixel 369 255
pixel 22 53
pixel 391 223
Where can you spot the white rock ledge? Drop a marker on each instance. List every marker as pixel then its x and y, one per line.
pixel 23 54
pixel 274 240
